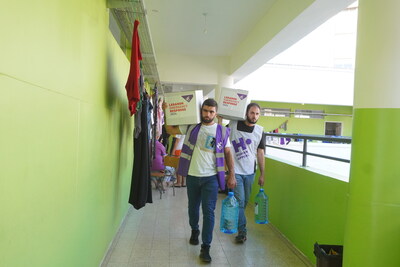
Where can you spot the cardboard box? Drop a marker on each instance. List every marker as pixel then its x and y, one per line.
pixel 232 103
pixel 183 107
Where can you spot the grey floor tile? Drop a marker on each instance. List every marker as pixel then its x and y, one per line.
pixel 158 235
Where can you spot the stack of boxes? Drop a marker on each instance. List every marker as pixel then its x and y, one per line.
pixel 184 107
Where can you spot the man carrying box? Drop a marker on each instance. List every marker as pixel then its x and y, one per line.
pixel 248 142
pixel 205 147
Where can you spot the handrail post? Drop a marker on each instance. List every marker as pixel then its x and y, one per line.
pixel 304 152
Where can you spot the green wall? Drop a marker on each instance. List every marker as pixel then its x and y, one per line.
pixel 305 206
pixel 307 126
pixel 374 205
pixel 66 134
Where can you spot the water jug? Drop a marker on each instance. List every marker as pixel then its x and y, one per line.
pixel 229 214
pixel 261 207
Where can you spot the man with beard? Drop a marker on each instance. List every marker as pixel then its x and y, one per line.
pixel 204 150
pixel 248 142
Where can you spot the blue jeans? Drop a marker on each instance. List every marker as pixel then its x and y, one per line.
pixel 202 190
pixel 242 194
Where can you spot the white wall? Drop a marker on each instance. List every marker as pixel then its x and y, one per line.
pixel 177 68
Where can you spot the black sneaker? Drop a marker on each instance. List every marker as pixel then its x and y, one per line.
pixel 205 253
pixel 241 238
pixel 194 238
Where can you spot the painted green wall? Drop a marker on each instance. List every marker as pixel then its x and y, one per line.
pixel 307 126
pixel 66 135
pixel 305 206
pixel 374 206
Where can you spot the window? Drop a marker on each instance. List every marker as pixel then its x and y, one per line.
pixel 275 112
pixel 333 128
pixel 309 114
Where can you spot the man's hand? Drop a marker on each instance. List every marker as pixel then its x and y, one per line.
pixel 231 182
pixel 164 105
pixel 261 180
pixel 219 118
pixel 261 165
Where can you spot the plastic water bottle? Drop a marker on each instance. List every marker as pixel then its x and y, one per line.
pixel 229 214
pixel 261 207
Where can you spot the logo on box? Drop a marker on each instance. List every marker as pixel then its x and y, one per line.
pixel 242 96
pixel 188 98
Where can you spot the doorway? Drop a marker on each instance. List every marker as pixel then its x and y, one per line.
pixel 333 128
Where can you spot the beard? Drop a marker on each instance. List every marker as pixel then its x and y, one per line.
pixel 206 120
pixel 254 121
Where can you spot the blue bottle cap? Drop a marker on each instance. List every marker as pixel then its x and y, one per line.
pixel 230 194
pixel 261 189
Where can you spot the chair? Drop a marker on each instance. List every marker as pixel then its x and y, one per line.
pixel 171 161
pixel 168 175
pixel 158 179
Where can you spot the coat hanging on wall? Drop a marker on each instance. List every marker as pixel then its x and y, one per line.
pixel 140 193
pixel 132 84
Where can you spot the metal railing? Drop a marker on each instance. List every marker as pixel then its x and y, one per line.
pixel 306 138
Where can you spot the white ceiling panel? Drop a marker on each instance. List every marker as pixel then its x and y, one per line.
pixel 177 26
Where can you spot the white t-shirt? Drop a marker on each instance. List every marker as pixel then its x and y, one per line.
pixel 203 159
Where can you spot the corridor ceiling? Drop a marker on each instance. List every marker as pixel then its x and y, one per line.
pixel 205 27
pixel 201 28
pixel 217 28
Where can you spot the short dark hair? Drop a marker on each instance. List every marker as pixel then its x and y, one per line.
pixel 210 102
pixel 249 106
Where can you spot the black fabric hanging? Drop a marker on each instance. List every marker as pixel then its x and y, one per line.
pixel 164 138
pixel 141 182
pixel 155 119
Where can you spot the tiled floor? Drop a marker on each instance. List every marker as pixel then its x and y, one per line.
pixel 158 235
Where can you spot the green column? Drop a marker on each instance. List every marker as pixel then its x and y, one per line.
pixel 372 237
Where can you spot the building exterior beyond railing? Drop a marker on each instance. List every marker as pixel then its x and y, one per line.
pixel 308 145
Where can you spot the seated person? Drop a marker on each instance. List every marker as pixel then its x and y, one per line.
pixel 157 165
pixel 158 168
pixel 158 161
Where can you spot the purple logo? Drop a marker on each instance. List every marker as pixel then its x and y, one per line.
pixel 219 145
pixel 242 96
pixel 188 98
pixel 240 144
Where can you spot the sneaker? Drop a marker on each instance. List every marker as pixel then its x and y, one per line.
pixel 194 238
pixel 205 253
pixel 241 238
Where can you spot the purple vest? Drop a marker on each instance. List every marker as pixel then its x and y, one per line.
pixel 221 139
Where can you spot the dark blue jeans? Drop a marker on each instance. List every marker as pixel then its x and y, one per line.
pixel 242 194
pixel 202 190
